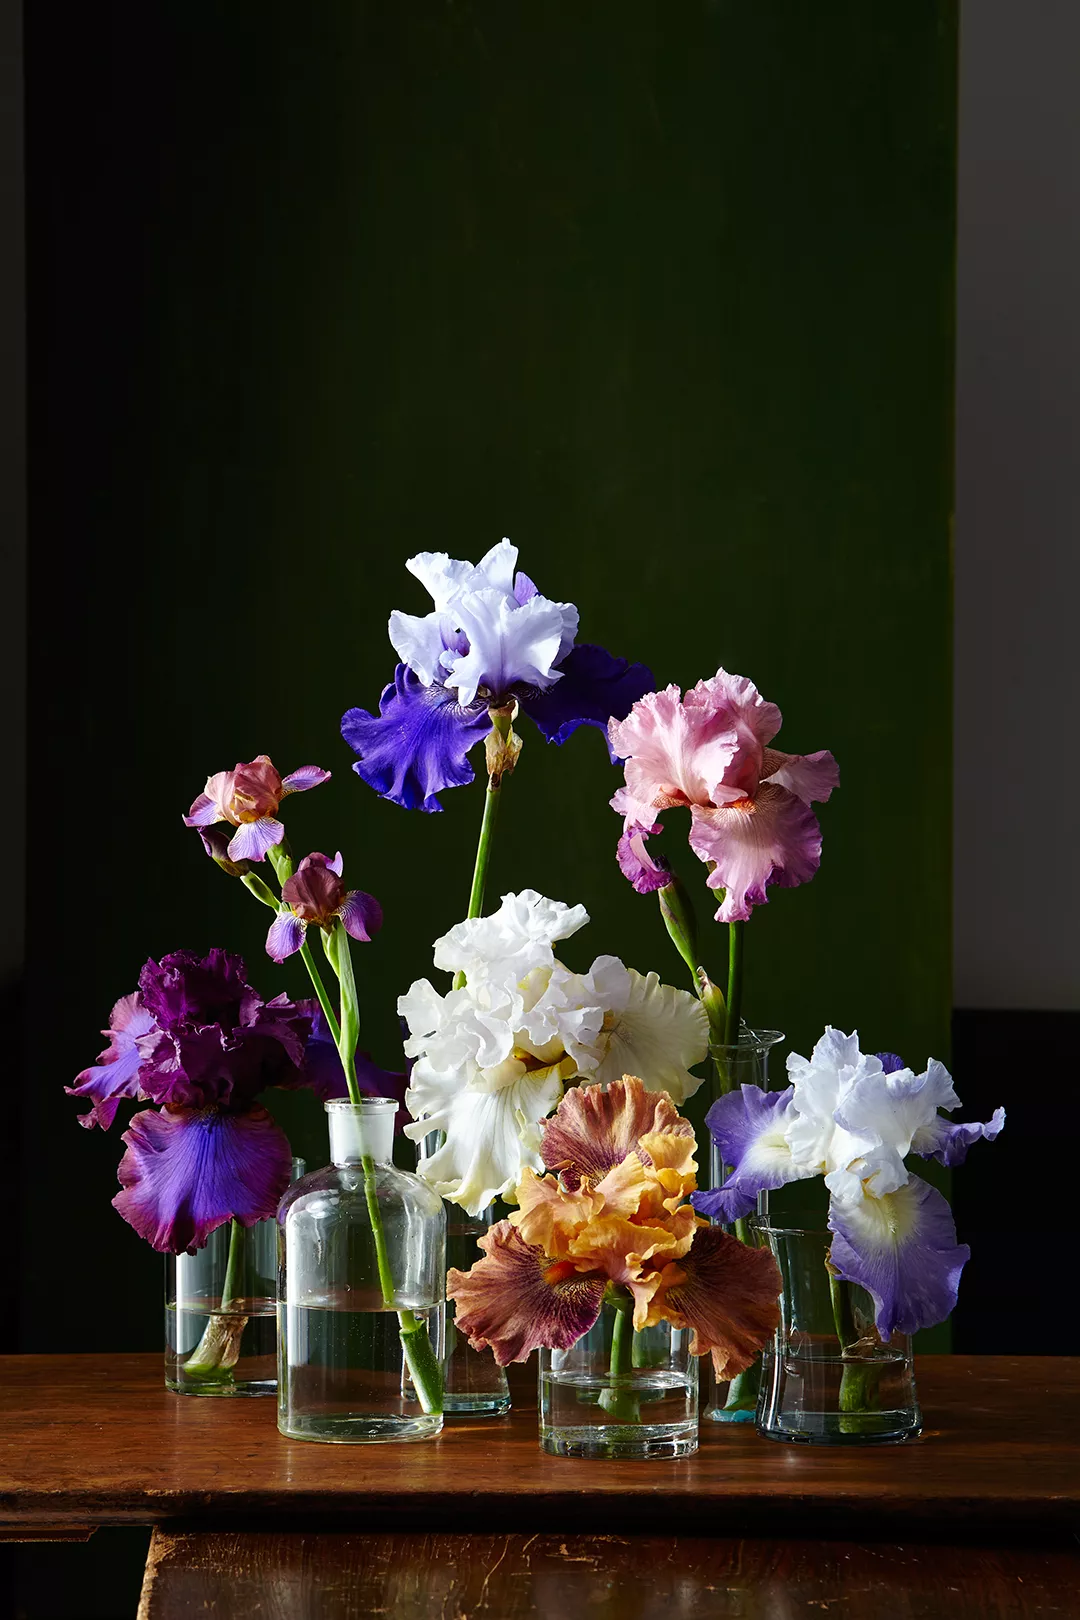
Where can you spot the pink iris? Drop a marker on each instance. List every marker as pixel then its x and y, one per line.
pixel 248 796
pixel 749 804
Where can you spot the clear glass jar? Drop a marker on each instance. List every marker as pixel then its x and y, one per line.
pixel 361 1281
pixel 745 1064
pixel 828 1379
pixel 221 1312
pixel 617 1393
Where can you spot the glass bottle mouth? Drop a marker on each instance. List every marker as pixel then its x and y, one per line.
pixel 367 1105
pixel 363 1130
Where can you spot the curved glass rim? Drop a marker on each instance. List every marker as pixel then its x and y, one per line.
pixel 366 1104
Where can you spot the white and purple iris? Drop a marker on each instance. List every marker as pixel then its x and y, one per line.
pixel 854 1118
pixel 491 639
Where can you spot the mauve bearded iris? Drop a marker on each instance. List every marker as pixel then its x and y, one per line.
pixel 201 1042
pixel 248 796
pixel 316 893
pixel 491 640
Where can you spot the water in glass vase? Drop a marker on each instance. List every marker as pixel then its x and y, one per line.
pixel 654 1415
pixel 815 1395
pixel 345 1379
pixel 210 1351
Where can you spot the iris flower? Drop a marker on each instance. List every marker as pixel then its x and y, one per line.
pixel 248 797
pixel 750 816
pixel 854 1118
pixel 611 1210
pixel 199 1041
pixel 316 893
pixel 491 1058
pixel 491 639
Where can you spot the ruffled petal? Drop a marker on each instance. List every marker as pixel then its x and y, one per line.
pixel 490 1126
pixel 949 1143
pixel 595 688
pixel 116 1073
pixel 635 862
pixel 902 1249
pixel 594 1129
pixel 417 745
pixel 205 811
pixel 186 1172
pixel 749 1128
pixel 674 754
pixel 510 644
pixel 773 838
pixel 362 915
pixel 251 841
pixel 726 1293
pixel 811 777
pixel 512 941
pixel 548 1216
pixel 515 1300
pixel 285 936
pixel 651 1030
pixel 308 776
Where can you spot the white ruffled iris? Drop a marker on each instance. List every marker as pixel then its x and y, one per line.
pixel 490 631
pixel 491 1059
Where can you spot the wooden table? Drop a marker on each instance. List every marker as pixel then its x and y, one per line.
pixel 980 1517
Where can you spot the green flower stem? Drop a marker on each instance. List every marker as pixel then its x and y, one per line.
pixel 502 729
pixel 261 892
pixel 733 1015
pixel 620 1399
pixel 420 1358
pixel 859 1380
pixel 218 1350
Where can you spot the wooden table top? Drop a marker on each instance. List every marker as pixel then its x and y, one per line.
pixel 98 1440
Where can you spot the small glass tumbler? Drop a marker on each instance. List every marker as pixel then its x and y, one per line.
pixel 828 1379
pixel 617 1393
pixel 361 1279
pixel 221 1312
pixel 744 1064
pixel 476 1385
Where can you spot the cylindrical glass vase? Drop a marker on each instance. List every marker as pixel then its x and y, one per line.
pixel 744 1064
pixel 617 1393
pixel 221 1312
pixel 475 1384
pixel 361 1279
pixel 828 1379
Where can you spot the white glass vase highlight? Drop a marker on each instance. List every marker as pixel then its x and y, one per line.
pixel 827 1378
pixel 221 1312
pixel 617 1393
pixel 362 1248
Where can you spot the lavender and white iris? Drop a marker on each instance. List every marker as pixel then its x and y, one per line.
pixel 491 1058
pixel 491 640
pixel 854 1118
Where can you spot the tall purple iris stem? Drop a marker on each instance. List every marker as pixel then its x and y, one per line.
pixel 420 1357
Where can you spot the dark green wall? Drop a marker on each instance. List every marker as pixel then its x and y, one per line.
pixel 660 290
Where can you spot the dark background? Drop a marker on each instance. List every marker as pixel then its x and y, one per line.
pixel 664 292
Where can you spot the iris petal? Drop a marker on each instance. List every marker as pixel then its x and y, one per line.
pixel 417 744
pixel 595 688
pixel 187 1171
pixel 513 1300
pixel 902 1249
pixel 748 1126
pixel 116 1073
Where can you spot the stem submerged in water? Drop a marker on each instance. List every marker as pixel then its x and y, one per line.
pixel 859 1379
pixel 620 1398
pixel 218 1350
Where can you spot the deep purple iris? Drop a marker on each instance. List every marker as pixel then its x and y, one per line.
pixel 201 1042
pixel 491 640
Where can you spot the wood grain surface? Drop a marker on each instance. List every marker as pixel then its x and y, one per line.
pixel 98 1440
pixel 510 1577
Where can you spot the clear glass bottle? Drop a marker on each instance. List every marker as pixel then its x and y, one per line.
pixel 221 1312
pixel 361 1281
pixel 617 1393
pixel 745 1064
pixel 828 1379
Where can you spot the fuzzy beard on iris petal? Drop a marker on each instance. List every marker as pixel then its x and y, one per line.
pixel 595 1130
pixel 650 1030
pixel 726 1294
pixel 517 1298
